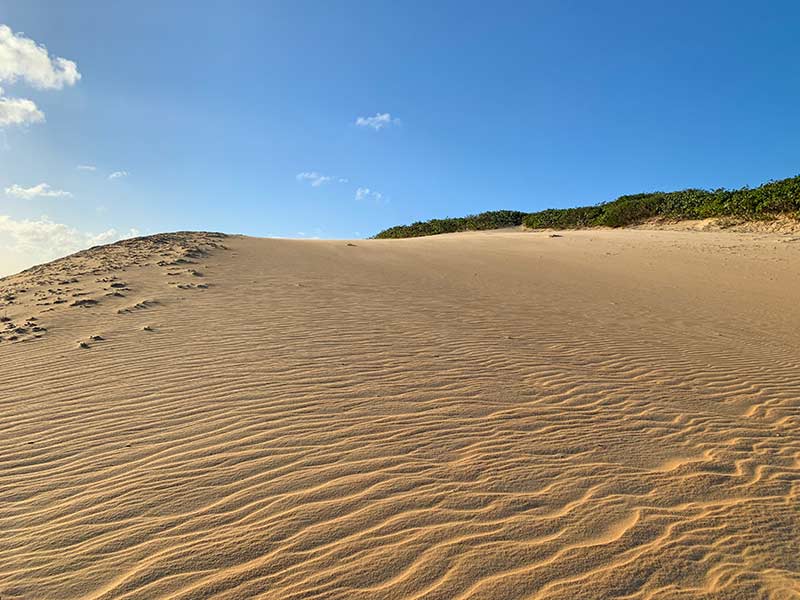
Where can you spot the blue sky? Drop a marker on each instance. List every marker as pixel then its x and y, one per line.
pixel 213 111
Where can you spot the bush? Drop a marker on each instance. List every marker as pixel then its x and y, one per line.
pixel 496 219
pixel 564 218
pixel 764 202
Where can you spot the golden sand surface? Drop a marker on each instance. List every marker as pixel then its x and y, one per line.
pixel 499 415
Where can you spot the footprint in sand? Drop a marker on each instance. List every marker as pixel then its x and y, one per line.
pixel 142 305
pixel 86 302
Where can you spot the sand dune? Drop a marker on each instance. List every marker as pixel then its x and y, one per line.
pixel 606 414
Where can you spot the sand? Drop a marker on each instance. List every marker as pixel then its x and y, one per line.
pixel 606 414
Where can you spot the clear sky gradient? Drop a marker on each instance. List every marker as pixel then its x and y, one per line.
pixel 243 116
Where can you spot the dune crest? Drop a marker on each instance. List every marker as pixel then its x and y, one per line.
pixel 605 414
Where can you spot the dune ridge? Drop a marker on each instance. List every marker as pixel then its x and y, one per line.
pixel 606 414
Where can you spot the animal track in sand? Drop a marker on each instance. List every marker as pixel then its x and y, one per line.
pixel 28 330
pixel 191 286
pixel 141 305
pixel 84 302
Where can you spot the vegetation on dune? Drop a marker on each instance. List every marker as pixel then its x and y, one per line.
pixel 496 219
pixel 764 202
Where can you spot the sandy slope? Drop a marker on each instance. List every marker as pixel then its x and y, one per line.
pixel 607 414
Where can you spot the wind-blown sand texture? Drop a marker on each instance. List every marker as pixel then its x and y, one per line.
pixel 605 414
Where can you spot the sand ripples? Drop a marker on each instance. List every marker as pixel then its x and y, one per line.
pixel 487 416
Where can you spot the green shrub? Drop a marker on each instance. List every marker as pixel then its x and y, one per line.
pixel 631 209
pixel 564 218
pixel 764 202
pixel 496 219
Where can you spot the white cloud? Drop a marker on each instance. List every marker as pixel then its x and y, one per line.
pixel 314 178
pixel 364 193
pixel 24 243
pixel 42 190
pixel 86 168
pixel 19 111
pixel 317 179
pixel 118 174
pixel 22 58
pixel 378 122
pixel 110 235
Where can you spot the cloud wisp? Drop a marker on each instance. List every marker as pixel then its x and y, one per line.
pixel 362 193
pixel 318 179
pixel 86 168
pixel 118 174
pixel 378 122
pixel 314 178
pixel 367 194
pixel 22 59
pixel 42 190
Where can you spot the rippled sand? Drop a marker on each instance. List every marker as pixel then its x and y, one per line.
pixel 606 414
